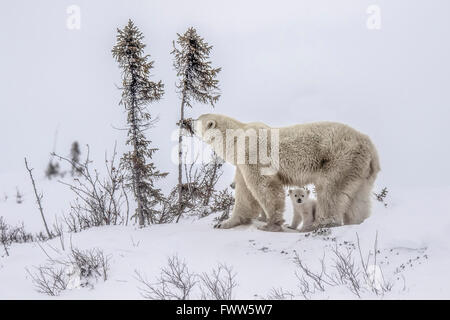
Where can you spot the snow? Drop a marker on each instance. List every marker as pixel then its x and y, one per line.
pixel 282 64
pixel 413 252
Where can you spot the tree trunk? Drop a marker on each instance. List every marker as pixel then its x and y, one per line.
pixel 180 160
pixel 211 184
pixel 137 182
pixel 136 173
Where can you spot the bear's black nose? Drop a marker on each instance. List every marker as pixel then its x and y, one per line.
pixel 299 200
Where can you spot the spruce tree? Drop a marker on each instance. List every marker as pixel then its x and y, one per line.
pixel 52 170
pixel 138 92
pixel 19 196
pixel 75 159
pixel 197 83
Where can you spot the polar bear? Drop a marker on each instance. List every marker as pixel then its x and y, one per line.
pixel 304 208
pixel 341 162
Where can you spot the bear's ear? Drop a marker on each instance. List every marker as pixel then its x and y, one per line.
pixel 211 124
pixel 308 192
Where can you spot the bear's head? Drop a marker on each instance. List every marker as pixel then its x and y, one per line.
pixel 299 196
pixel 213 129
pixel 208 125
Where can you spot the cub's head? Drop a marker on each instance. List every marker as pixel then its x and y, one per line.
pixel 299 196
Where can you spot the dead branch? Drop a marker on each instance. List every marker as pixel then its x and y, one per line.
pixel 38 199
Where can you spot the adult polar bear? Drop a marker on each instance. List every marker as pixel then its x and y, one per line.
pixel 341 162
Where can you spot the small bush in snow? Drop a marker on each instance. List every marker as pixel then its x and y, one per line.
pixel 100 201
pixel 199 196
pixel 174 283
pixel 177 282
pixel 280 294
pixel 50 280
pixel 219 284
pixel 85 266
pixel 15 234
pixel 223 202
pixel 81 268
pixel 356 274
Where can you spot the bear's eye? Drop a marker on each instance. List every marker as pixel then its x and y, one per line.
pixel 295 195
pixel 303 195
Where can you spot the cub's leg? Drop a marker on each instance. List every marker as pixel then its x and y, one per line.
pixel 245 207
pixel 296 219
pixel 309 215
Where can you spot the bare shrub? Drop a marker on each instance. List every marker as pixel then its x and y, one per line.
pixel 378 286
pixel 223 202
pixel 50 280
pixel 199 196
pixel 4 236
pixel 81 268
pixel 100 201
pixel 174 283
pixel 219 284
pixel 89 263
pixel 357 274
pixel 280 294
pixel 16 234
pixel 169 208
pixel 177 282
pixel 199 188
pixel 39 197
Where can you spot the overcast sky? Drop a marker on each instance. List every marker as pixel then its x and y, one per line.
pixel 283 62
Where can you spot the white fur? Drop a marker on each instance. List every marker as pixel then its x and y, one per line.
pixel 341 162
pixel 304 209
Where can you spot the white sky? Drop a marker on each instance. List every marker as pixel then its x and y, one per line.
pixel 284 62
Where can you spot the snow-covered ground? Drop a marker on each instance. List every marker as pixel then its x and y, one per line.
pixel 413 251
pixel 283 63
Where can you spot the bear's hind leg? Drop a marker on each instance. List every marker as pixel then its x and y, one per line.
pixel 359 208
pixel 327 214
pixel 335 197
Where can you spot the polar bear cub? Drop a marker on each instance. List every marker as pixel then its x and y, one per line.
pixel 304 208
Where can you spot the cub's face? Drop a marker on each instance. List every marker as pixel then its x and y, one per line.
pixel 298 196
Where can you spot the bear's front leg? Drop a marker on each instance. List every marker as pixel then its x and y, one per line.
pixel 245 206
pixel 268 192
pixel 234 221
pixel 271 227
